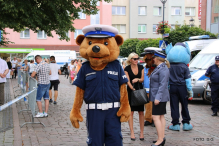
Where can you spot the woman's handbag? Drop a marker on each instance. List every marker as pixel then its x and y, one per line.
pixel 139 97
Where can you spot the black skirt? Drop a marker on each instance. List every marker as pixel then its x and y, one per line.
pixel 159 109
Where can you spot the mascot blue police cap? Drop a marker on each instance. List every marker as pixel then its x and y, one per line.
pixel 99 31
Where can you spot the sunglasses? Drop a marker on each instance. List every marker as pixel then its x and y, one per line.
pixel 135 59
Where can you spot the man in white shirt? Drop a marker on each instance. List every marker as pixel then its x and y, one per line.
pixel 3 72
pixel 14 62
pixel 54 79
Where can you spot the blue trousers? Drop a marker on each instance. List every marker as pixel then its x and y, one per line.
pixel 214 97
pixel 104 127
pixel 179 94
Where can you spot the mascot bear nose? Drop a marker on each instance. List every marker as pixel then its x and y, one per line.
pixel 96 49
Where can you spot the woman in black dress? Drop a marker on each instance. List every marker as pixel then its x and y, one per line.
pixel 9 67
pixel 135 75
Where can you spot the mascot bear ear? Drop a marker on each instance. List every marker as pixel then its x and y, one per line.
pixel 119 40
pixel 168 48
pixel 79 39
pixel 187 48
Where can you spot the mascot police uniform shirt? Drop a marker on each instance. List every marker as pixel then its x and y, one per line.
pixel 101 86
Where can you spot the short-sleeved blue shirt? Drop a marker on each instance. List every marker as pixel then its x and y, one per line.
pixel 214 72
pixel 101 86
pixel 146 82
pixel 179 72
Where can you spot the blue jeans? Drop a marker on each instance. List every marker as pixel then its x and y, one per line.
pixel 43 91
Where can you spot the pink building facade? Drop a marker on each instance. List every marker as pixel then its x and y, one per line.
pixel 29 39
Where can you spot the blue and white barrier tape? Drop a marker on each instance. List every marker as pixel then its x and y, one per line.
pixel 15 100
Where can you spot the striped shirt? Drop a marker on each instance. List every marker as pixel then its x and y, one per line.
pixel 43 69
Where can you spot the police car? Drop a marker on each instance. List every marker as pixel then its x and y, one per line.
pixel 199 65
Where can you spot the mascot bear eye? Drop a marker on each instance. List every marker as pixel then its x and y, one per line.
pixel 90 43
pixel 105 43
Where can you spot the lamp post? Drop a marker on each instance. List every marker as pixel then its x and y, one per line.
pixel 163 1
pixel 191 22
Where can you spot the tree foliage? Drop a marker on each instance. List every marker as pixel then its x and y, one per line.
pixel 47 15
pixel 128 47
pixel 147 43
pixel 182 33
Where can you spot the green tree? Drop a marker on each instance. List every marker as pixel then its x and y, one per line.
pixel 147 43
pixel 128 47
pixel 182 33
pixel 47 15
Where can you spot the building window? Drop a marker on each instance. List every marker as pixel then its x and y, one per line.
pixel 118 10
pixel 173 26
pixel 81 15
pixel 157 11
pixel 142 28
pixel 25 33
pixel 189 11
pixel 155 28
pixel 216 19
pixel 41 34
pixel 98 3
pixel 176 10
pixel 77 32
pixel 95 19
pixel 121 27
pixel 141 10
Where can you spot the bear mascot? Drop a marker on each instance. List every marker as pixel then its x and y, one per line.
pixel 180 84
pixel 101 83
pixel 148 69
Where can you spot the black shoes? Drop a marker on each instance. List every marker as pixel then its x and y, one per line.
pixel 214 114
pixel 161 144
pixel 50 100
pixel 164 139
pixel 133 139
pixel 146 123
pixel 142 139
pixel 54 102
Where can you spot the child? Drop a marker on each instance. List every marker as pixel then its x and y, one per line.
pixel 73 74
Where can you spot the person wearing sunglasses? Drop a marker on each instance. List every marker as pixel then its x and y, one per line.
pixel 135 75
pixel 159 94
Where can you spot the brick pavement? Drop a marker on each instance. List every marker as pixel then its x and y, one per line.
pixel 59 131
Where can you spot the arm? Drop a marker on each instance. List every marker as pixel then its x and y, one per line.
pixel 26 68
pixel 124 110
pixel 60 72
pixel 75 115
pixel 163 79
pixel 33 74
pixel 128 83
pixel 4 74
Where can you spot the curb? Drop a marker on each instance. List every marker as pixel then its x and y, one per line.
pixel 17 129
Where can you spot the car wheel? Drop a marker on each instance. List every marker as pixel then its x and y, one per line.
pixel 207 100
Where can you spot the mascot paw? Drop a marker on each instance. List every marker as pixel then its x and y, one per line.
pixel 124 113
pixel 75 118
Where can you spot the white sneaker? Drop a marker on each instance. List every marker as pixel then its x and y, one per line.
pixel 45 114
pixel 39 115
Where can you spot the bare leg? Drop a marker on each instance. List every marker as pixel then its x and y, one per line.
pixel 39 104
pixel 55 95
pixel 159 128
pixel 50 94
pixel 131 125
pixel 141 121
pixel 163 122
pixel 46 105
pixel 27 87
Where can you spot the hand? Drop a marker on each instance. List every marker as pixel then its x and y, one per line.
pixel 156 102
pixel 1 75
pixel 75 117
pixel 190 95
pixel 135 80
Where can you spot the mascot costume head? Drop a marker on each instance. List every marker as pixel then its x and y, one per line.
pixel 180 53
pixel 101 83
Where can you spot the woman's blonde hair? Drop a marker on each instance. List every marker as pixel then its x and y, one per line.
pixel 8 59
pixel 164 60
pixel 130 57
